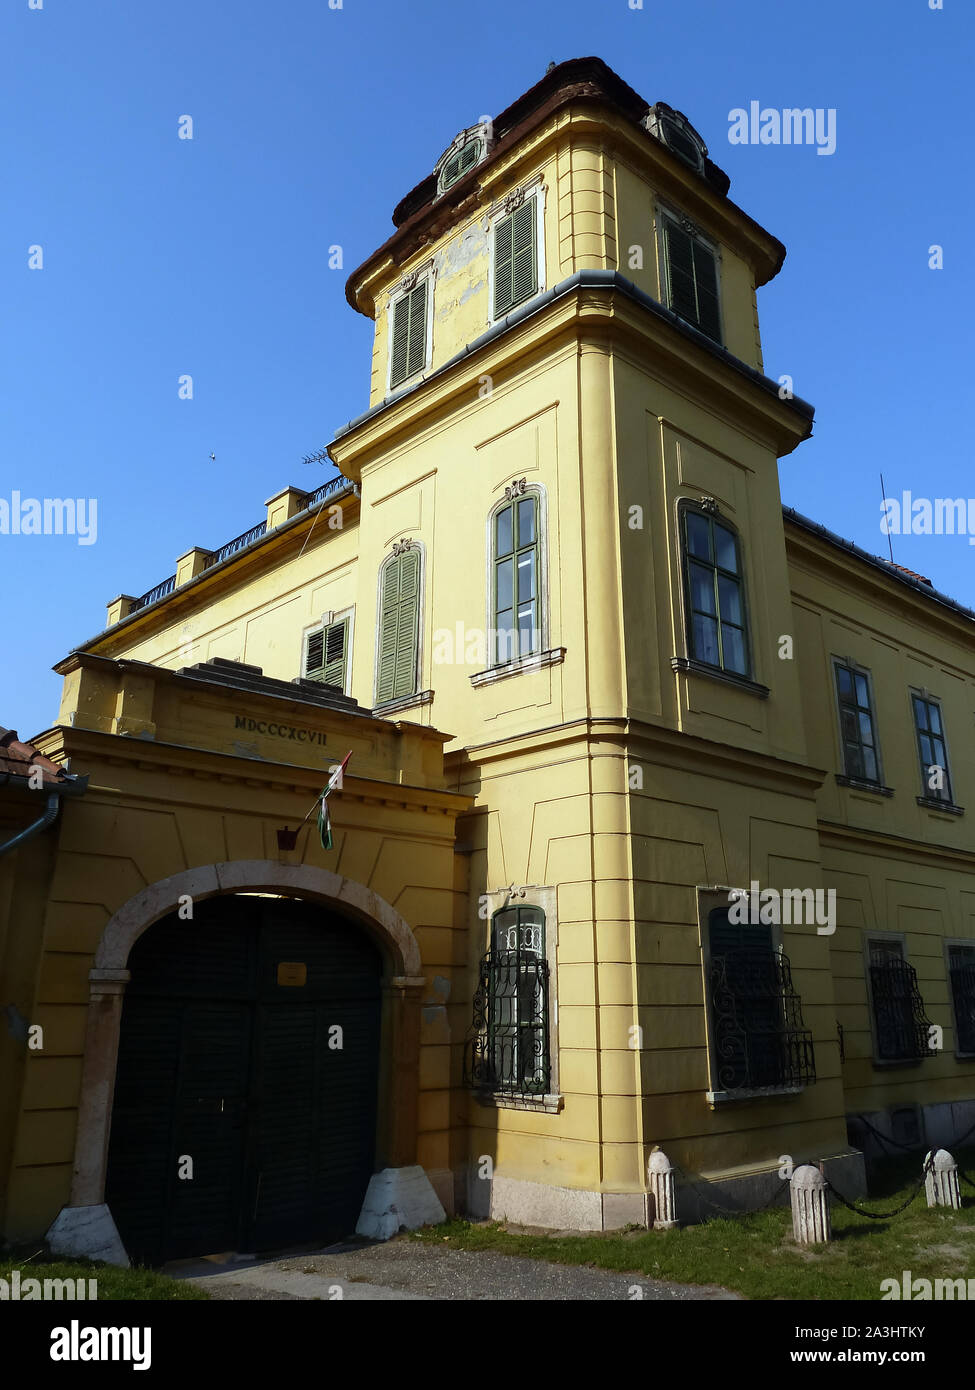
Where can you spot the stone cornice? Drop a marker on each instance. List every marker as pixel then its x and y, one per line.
pixel 857 839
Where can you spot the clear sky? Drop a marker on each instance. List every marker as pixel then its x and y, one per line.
pixel 164 257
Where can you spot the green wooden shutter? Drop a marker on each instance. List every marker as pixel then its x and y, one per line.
pixel 399 614
pixel 409 334
pixel 515 258
pixel 325 654
pixel 680 262
pixel 459 163
pixel 706 280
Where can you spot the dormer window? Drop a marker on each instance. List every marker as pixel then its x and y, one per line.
pixel 468 149
pixel 673 129
pixel 692 276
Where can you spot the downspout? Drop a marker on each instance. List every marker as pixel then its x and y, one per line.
pixel 42 823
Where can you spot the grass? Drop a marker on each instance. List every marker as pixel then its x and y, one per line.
pixel 756 1255
pixel 113 1283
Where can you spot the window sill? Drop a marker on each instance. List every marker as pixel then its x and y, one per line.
pixel 716 1098
pixel 425 697
pixel 691 666
pixel 882 1063
pixel 949 808
pixel 497 1100
pixel 535 662
pixel 857 784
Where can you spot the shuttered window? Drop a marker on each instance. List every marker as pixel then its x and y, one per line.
pixel 693 277
pixel 515 258
pixel 325 654
pixel 459 163
pixel 409 334
pixel 399 626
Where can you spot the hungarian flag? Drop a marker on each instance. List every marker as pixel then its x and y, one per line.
pixel 324 819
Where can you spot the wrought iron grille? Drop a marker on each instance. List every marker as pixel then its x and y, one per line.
pixel 507 1050
pixel 963 993
pixel 759 1036
pixel 902 1026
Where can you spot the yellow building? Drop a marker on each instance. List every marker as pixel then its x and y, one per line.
pixel 651 834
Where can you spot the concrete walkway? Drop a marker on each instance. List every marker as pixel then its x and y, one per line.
pixel 406 1269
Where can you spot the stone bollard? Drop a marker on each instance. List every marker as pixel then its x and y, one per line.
pixel 810 1206
pixel 660 1172
pixel 941 1181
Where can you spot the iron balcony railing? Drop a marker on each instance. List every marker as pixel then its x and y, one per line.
pixel 507 1049
pixel 335 487
pixel 760 1040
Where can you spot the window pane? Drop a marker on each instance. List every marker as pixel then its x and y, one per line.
pixel 706 639
pixel 503 532
pixel 866 728
pixel 863 693
pixel 729 596
pixel 507 638
pixel 698 535
pixel 927 751
pixel 844 683
pixel 504 591
pixel 934 718
pixel 920 713
pixel 733 641
pixel 702 588
pixel 849 722
pixel 526 576
pixel 526 628
pixel 870 765
pixel 854 760
pixel 725 549
pixel 526 521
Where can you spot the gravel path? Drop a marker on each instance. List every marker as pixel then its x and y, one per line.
pixel 405 1269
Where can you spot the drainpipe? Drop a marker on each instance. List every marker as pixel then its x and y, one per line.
pixel 42 823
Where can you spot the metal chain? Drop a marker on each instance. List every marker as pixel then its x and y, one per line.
pixel 731 1211
pixel 882 1215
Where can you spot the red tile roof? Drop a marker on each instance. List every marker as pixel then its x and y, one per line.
pixel 17 759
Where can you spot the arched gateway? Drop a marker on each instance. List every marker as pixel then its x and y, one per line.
pixel 239 1085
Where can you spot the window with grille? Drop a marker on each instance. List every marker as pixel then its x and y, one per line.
pixel 961 971
pixel 932 749
pixel 901 1027
pixel 692 272
pixel 508 1047
pixel 399 626
pixel 515 579
pixel 515 257
pixel 758 1035
pixel 326 654
pixel 857 725
pixel 717 628
pixel 409 348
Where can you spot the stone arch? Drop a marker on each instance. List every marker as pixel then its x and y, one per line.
pixel 86 1225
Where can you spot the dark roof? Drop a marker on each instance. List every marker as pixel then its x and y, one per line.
pixel 922 586
pixel 577 80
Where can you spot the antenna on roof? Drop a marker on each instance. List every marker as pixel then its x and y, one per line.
pixel 320 457
pixel 883 491
pixel 551 67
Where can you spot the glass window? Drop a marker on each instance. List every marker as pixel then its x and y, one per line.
pixel 857 726
pixel 932 749
pixel 718 633
pixel 516 581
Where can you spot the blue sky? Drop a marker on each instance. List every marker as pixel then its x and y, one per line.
pixel 209 256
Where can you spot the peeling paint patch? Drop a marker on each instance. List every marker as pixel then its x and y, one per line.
pixel 471 290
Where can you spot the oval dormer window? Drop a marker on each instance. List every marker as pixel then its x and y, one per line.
pixel 674 130
pixel 458 164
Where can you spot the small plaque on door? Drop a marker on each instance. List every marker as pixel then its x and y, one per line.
pixel 292 972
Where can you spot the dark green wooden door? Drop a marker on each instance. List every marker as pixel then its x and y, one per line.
pixel 249 1058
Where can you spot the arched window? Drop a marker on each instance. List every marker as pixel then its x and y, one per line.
pixel 399 625
pixel 717 629
pixel 516 579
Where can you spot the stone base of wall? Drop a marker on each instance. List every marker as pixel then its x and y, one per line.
pixel 525 1203
pixel 912 1128
pixel 89 1232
